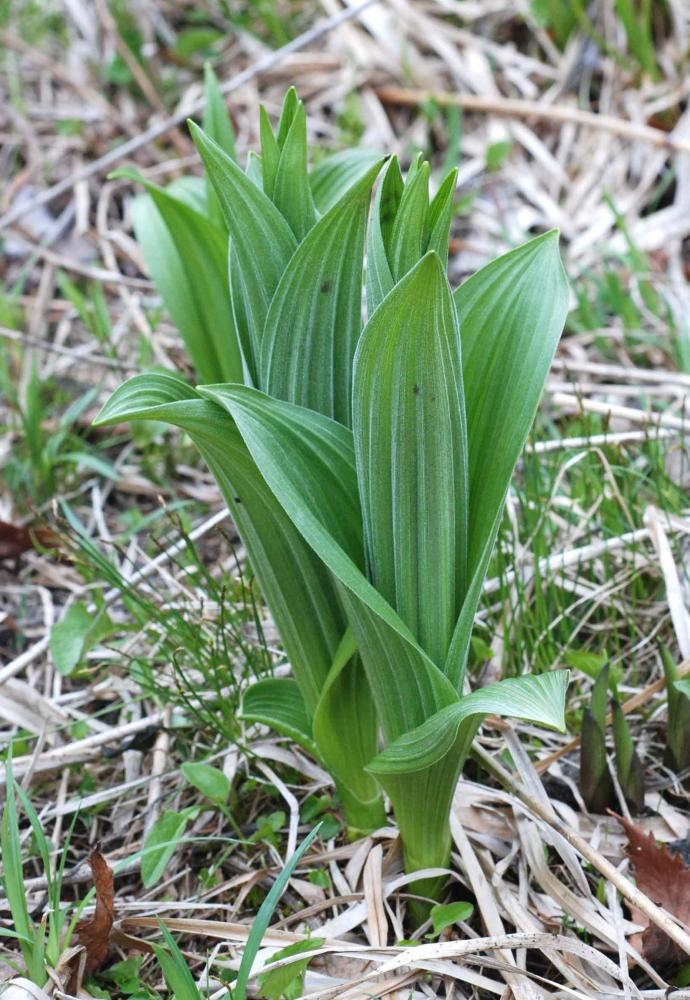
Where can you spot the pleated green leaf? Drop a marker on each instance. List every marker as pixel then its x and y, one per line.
pixel 187 258
pixel 371 545
pixel 405 225
pixel 346 717
pixel 270 152
pixel 217 125
pixel 511 316
pixel 262 240
pixel 315 316
pixel 539 699
pixel 297 587
pixel 599 697
pixel 254 169
pixel 325 463
pixel 216 120
pixel 410 445
pixel 331 178
pixel 410 236
pixel 291 189
pixel 594 779
pixel 277 702
pixel 420 771
pixel 308 461
pixel 190 190
pixel 291 103
pixel 628 765
pixel 441 216
pixel 379 274
pixel 678 727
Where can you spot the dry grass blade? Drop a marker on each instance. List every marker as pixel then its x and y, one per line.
pixel 512 108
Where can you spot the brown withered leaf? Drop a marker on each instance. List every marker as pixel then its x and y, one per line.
pixel 665 878
pixel 97 933
pixel 93 934
pixel 16 539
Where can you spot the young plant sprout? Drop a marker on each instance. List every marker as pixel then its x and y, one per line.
pixel 366 467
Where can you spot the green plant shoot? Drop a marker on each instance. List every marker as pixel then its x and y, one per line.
pixel 367 469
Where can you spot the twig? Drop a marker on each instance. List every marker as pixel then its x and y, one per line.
pixel 125 149
pixel 70 352
pixel 636 416
pixel 623 372
pixel 510 107
pixel 94 273
pixel 595 440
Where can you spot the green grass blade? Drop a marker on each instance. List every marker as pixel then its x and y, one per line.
pixel 176 972
pixel 263 917
pixel 410 445
pixel 12 869
pixel 30 937
pixel 315 316
pixel 56 915
pixel 511 316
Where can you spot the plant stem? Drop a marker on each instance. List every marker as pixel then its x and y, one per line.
pixel 362 816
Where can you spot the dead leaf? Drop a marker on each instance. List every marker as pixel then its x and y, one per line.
pixel 665 878
pixel 16 539
pixel 95 935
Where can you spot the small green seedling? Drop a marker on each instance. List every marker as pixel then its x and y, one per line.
pixel 162 841
pixel 628 764
pixel 596 783
pixel 678 725
pixel 210 781
pixel 445 915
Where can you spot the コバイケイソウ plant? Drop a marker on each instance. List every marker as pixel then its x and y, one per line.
pixel 367 468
